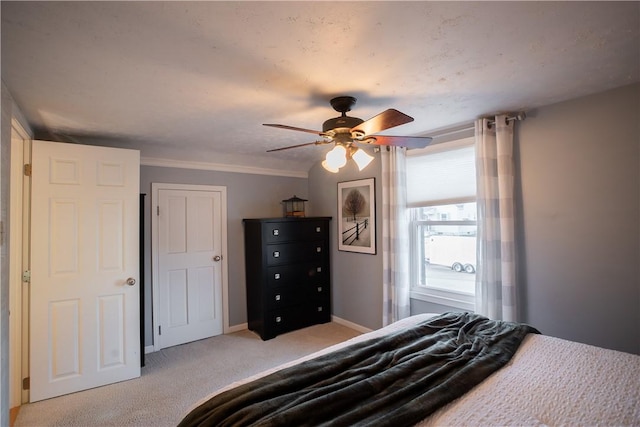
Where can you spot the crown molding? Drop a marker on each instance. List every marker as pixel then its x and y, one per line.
pixel 220 167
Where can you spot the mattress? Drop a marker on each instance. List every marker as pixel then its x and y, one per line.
pixel 549 381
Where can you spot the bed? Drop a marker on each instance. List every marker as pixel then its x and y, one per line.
pixel 496 373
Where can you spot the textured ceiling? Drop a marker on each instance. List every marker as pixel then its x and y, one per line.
pixel 194 81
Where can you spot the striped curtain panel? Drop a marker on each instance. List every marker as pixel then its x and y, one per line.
pixel 496 246
pixel 395 236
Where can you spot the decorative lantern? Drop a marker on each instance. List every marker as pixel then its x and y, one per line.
pixel 293 207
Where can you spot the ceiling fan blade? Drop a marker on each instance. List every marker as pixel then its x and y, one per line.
pixel 385 120
pixel 299 145
pixel 398 141
pixel 315 132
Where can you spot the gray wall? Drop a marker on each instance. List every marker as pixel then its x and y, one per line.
pixel 580 219
pixel 248 196
pixel 579 223
pixel 356 279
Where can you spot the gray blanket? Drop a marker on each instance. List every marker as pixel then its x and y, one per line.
pixel 396 380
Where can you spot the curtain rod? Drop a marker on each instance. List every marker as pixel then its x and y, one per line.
pixel 517 116
pixel 471 126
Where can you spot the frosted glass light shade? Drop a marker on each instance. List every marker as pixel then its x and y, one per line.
pixel 361 158
pixel 337 157
pixel 329 168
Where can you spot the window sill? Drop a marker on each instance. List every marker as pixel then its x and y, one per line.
pixel 450 299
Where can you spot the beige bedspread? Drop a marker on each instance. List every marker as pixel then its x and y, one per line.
pixel 554 382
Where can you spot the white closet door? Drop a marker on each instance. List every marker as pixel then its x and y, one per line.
pixel 189 265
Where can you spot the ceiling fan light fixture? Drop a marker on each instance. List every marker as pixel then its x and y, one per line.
pixel 329 168
pixel 345 131
pixel 362 158
pixel 337 157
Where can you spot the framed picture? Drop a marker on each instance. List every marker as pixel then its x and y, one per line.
pixel 357 216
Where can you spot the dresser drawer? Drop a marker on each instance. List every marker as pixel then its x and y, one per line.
pixel 291 318
pixel 285 297
pixel 286 253
pixel 293 274
pixel 318 292
pixel 303 294
pixel 276 232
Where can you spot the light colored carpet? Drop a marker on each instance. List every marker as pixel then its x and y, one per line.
pixel 177 377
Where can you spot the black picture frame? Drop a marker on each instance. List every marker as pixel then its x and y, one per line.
pixel 357 216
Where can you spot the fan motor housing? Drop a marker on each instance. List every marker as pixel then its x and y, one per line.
pixel 341 122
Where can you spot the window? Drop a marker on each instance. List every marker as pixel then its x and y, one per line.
pixel 441 192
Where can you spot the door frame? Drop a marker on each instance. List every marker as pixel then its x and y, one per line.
pixel 155 193
pixel 19 215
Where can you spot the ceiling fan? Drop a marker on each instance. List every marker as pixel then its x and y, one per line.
pixel 346 132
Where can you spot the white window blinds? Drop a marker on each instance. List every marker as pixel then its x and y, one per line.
pixel 441 177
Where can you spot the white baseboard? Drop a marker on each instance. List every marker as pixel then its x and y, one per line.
pixel 243 326
pixel 359 328
pixel 351 325
pixel 236 328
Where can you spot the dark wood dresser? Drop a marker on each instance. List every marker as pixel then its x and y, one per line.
pixel 288 274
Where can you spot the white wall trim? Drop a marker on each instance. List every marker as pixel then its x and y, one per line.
pixel 155 188
pixel 237 328
pixel 182 164
pixel 448 299
pixel 21 131
pixel 443 146
pixel 18 259
pixel 351 325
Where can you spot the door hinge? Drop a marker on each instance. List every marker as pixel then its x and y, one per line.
pixel 27 170
pixel 159 329
pixel 26 276
pixel 26 383
pixel 158 210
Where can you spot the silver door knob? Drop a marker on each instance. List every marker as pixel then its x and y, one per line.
pixel 217 258
pixel 131 281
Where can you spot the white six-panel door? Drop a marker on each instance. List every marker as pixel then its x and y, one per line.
pixel 84 316
pixel 189 265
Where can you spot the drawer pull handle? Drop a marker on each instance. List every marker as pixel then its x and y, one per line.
pixel 276 254
pixel 277 297
pixel 278 319
pixel 319 249
pixel 319 269
pixel 276 232
pixel 318 229
pixel 319 288
pixel 319 309
pixel 276 276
